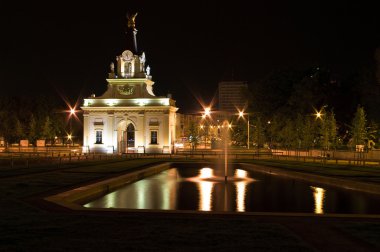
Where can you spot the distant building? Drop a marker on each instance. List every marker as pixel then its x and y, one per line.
pixel 128 117
pixel 232 95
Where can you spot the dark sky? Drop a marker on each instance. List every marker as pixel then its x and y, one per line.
pixel 189 46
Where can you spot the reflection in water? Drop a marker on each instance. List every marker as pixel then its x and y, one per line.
pixel 241 189
pixel 319 197
pixel 205 195
pixel 186 188
pixel 148 193
pixel 110 201
pixel 205 189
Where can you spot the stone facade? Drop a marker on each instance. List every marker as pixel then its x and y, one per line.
pixel 128 117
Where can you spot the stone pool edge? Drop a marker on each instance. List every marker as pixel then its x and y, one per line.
pixel 331 181
pixel 71 199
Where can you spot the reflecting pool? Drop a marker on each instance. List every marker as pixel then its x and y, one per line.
pixel 190 188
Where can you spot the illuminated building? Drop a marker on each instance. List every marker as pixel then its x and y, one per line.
pixel 128 117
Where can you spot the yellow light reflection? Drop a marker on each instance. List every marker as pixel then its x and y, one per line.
pixel 319 197
pixel 241 189
pixel 205 195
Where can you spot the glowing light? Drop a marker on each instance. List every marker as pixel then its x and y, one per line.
pixel 206 173
pixel 72 111
pixel 241 113
pixel 69 136
pixel 319 197
pixel 142 102
pixel 229 126
pixel 241 173
pixel 207 111
pixel 201 126
pixel 178 145
pixel 319 114
pixel 111 102
pixel 87 102
pixel 165 101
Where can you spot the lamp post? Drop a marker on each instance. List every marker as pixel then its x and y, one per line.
pixel 241 114
pixel 324 135
pixel 70 135
pixel 207 112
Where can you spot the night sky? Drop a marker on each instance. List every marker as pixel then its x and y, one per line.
pixel 189 46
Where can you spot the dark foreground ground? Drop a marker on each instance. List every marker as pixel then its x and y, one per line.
pixel 29 224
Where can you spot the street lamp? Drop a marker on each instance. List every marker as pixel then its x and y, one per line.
pixel 207 112
pixel 72 112
pixel 241 114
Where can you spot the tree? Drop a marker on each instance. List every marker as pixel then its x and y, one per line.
pixel 193 135
pixel 18 130
pixel 32 135
pixel 258 133
pixel 358 127
pixel 332 129
pixel 308 133
pixel 47 130
pixel 239 134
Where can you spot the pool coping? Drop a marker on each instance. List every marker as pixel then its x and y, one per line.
pixel 331 181
pixel 72 199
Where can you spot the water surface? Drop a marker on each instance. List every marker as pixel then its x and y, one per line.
pixel 197 189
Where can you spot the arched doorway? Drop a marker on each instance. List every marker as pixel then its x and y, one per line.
pixel 125 136
pixel 130 136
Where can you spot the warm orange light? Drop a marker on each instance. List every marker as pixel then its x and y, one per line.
pixel 241 113
pixel 69 136
pixel 207 111
pixel 318 114
pixel 72 111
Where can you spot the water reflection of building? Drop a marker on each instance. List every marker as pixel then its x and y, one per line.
pixel 144 194
pixel 128 117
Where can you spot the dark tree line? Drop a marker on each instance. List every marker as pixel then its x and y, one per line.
pixel 32 118
pixel 285 103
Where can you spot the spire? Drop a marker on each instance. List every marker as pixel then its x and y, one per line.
pixel 131 33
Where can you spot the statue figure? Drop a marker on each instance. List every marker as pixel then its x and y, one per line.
pixel 148 70
pixel 131 20
pixel 142 58
pixel 112 67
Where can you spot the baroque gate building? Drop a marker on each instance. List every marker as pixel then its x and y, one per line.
pixel 128 117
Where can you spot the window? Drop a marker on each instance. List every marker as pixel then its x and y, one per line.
pixel 153 137
pixel 98 137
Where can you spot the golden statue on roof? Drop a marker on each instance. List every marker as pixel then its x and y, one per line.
pixel 131 20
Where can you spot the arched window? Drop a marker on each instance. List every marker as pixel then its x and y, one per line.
pixel 131 135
